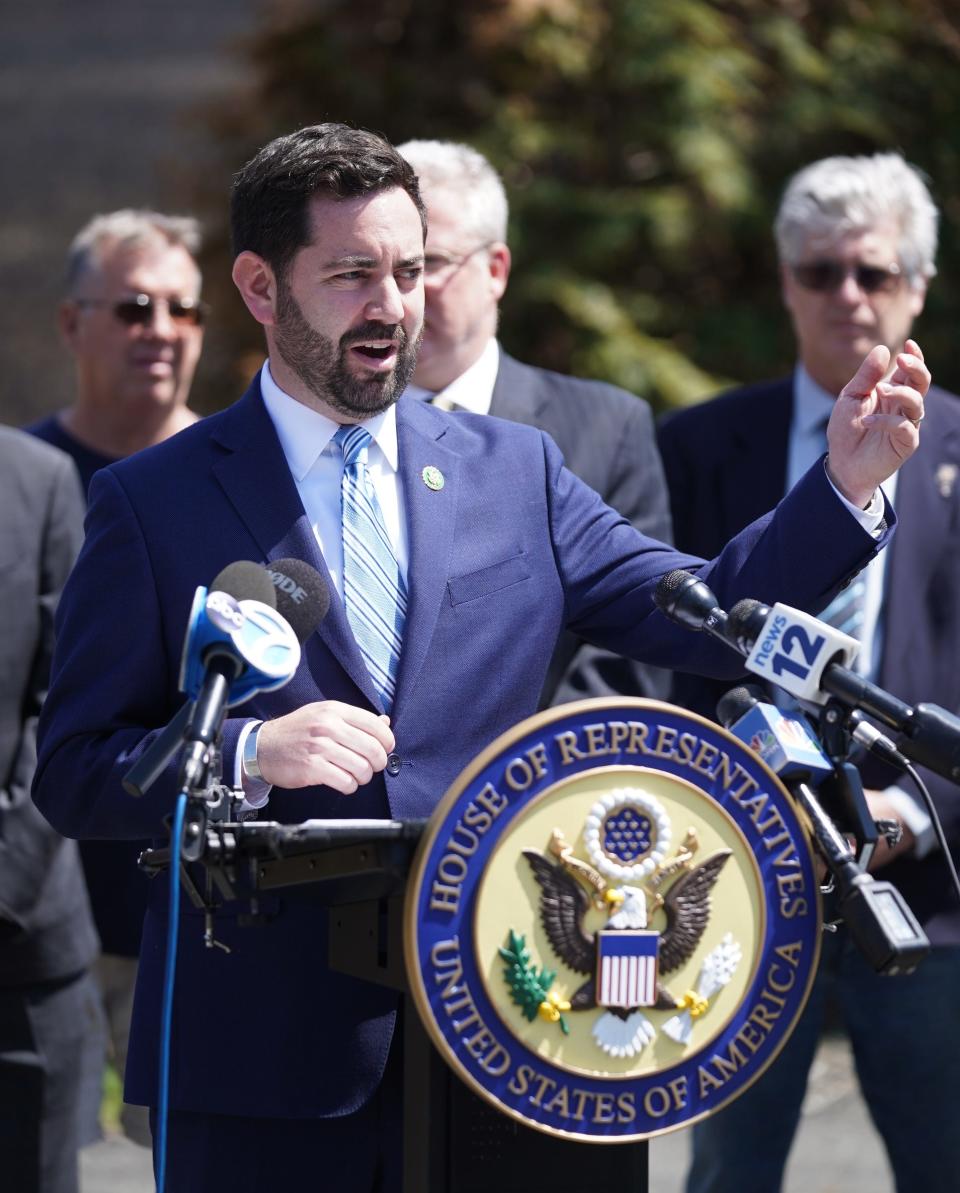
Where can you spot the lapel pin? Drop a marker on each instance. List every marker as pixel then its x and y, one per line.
pixel 946 476
pixel 432 477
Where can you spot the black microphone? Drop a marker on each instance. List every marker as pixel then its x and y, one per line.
pixel 302 595
pixel 687 600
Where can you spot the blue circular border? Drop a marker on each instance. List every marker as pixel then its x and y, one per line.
pixel 610 1109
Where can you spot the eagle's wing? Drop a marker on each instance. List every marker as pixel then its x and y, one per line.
pixel 563 904
pixel 687 905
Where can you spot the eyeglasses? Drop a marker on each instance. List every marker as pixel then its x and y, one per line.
pixel 141 309
pixel 439 263
pixel 823 276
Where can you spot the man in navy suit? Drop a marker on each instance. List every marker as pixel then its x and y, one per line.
pixel 606 435
pixel 281 1068
pixel 856 240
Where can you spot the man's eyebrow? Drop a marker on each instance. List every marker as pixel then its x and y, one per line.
pixel 359 261
pixel 355 261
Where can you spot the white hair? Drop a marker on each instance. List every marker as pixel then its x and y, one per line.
pixel 838 195
pixel 128 228
pixel 461 169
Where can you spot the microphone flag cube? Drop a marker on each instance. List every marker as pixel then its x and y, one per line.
pixel 784 743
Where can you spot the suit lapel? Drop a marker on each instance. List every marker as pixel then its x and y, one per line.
pixel 515 396
pixel 273 513
pixel 431 518
pixel 915 552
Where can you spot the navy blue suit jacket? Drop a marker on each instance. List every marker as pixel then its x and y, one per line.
pixel 512 548
pixel 607 438
pixel 726 461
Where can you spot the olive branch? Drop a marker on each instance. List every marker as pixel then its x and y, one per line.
pixel 530 988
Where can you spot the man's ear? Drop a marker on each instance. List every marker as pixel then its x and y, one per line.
pixel 918 296
pixel 255 280
pixel 68 314
pixel 498 257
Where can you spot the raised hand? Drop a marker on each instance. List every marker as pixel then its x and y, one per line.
pixel 875 424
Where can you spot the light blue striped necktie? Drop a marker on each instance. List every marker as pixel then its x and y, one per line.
pixel 374 591
pixel 847 609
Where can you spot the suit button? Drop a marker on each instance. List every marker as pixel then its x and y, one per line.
pixel 393 764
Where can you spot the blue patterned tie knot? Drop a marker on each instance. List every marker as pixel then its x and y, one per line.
pixel 352 441
pixel 374 591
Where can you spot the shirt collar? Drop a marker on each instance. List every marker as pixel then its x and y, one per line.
pixel 473 389
pixel 305 433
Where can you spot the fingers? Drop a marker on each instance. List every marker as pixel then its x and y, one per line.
pixel 326 743
pixel 898 400
pixel 911 370
pixel 871 371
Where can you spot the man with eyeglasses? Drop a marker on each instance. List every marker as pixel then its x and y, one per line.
pixel 133 320
pixel 856 239
pixel 606 434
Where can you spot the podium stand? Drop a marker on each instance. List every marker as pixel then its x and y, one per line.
pixel 454 1142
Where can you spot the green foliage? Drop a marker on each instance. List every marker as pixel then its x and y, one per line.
pixel 644 144
pixel 529 987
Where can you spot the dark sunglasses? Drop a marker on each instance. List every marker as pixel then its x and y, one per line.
pixel 142 307
pixel 830 275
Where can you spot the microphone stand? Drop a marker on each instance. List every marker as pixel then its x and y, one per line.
pixel 843 790
pixel 877 916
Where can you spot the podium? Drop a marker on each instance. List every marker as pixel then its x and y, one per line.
pixel 454 1141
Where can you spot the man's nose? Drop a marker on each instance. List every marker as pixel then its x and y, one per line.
pixel 161 323
pixel 386 304
pixel 850 290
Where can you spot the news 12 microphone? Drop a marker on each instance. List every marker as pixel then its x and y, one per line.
pixel 879 920
pixel 808 658
pixel 236 644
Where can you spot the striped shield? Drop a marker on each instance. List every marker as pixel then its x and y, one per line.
pixel 627 967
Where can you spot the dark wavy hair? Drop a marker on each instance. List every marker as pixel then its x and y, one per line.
pixel 268 208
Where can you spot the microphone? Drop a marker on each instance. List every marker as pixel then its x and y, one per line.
pixel 687 600
pixel 810 659
pixel 238 581
pixel 783 741
pixel 237 644
pixel 879 919
pixel 870 737
pixel 789 647
pixel 301 593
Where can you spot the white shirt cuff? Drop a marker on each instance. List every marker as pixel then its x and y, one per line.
pixel 871 517
pixel 256 792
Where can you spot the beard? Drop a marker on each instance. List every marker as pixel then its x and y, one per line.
pixel 323 366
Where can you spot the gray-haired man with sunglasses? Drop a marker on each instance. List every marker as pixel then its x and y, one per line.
pixel 856 239
pixel 133 320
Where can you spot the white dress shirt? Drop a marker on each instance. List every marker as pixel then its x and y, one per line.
pixel 316 465
pixel 473 389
